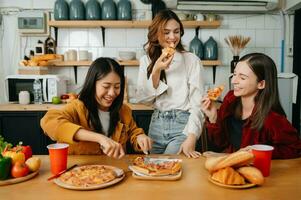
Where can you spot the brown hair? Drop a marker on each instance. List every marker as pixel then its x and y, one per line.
pixel 266 99
pixel 156 33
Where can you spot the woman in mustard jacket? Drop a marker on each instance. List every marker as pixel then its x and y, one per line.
pixel 98 122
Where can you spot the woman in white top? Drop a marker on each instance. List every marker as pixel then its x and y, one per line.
pixel 173 85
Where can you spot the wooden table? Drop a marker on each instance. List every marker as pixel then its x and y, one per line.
pixel 284 183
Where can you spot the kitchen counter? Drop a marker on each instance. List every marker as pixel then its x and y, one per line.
pixel 283 183
pixel 45 107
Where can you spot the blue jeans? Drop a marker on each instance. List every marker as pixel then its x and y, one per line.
pixel 166 130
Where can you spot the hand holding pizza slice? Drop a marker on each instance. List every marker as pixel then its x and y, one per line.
pixel 169 51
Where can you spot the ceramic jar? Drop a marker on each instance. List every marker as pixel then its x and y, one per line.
pixel 196 47
pixel 124 10
pixel 108 10
pixel 61 10
pixel 210 49
pixel 24 97
pixel 76 10
pixel 93 10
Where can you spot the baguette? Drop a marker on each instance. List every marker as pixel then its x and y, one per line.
pixel 236 158
pixel 211 162
pixel 252 174
pixel 44 57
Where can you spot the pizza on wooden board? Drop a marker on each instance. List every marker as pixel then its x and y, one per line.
pixel 164 167
pixel 214 93
pixel 88 175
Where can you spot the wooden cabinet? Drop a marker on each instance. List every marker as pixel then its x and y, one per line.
pixel 24 126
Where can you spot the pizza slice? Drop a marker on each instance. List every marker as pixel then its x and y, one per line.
pixel 214 93
pixel 156 167
pixel 169 51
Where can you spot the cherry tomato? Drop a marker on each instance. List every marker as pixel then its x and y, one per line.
pixel 19 169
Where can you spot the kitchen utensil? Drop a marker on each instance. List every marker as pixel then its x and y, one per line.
pixel 127 55
pixel 62 172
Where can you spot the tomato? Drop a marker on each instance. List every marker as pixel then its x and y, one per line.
pixel 27 151
pixel 19 169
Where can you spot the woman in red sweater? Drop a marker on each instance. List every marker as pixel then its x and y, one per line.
pixel 252 113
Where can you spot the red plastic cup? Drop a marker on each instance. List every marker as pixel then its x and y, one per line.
pixel 58 157
pixel 263 157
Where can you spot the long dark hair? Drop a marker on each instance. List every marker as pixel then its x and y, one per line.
pixel 100 68
pixel 156 31
pixel 267 99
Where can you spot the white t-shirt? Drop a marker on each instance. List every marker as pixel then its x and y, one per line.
pixel 104 120
pixel 183 90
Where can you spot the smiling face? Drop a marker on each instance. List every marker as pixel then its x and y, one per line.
pixel 107 89
pixel 245 81
pixel 171 34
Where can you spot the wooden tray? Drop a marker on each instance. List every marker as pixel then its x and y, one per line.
pixel 248 185
pixel 18 180
pixel 158 178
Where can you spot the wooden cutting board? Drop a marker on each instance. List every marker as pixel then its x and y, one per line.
pixel 18 180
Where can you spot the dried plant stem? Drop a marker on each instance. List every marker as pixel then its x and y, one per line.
pixel 237 43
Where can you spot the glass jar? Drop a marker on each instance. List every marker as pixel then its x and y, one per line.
pixel 124 10
pixel 196 47
pixel 61 10
pixel 93 10
pixel 210 49
pixel 77 10
pixel 24 97
pixel 108 10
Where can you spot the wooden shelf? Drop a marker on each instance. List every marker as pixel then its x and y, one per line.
pixel 206 63
pixel 125 24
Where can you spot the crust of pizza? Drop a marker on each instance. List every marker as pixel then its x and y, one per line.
pixel 214 93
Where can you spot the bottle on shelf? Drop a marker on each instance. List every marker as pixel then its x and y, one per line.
pixel 37 91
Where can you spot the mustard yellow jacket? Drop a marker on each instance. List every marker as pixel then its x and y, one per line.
pixel 61 125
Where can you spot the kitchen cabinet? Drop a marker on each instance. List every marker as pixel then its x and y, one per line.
pixel 24 126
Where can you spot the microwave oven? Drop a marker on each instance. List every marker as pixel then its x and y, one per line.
pixel 52 85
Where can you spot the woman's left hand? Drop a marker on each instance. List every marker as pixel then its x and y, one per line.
pixel 145 143
pixel 188 147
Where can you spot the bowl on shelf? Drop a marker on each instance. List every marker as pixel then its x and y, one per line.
pixel 127 55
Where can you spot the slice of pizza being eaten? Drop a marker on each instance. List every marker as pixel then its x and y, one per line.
pixel 214 93
pixel 169 51
pixel 156 167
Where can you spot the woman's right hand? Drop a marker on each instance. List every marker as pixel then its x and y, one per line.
pixel 111 148
pixel 163 62
pixel 209 109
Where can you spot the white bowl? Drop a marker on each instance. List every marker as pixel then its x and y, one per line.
pixel 127 55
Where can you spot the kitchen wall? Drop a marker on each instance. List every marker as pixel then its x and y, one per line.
pixel 264 30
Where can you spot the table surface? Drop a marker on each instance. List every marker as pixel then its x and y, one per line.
pixel 283 183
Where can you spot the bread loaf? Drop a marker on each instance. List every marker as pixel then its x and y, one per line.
pixel 211 162
pixel 234 159
pixel 44 57
pixel 228 176
pixel 252 174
